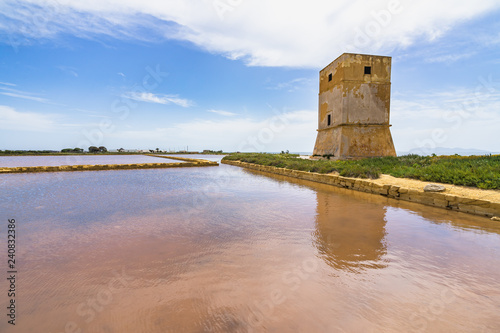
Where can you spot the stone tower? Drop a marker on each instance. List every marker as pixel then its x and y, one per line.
pixel 354 103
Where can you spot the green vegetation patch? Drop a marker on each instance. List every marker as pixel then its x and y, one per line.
pixel 476 171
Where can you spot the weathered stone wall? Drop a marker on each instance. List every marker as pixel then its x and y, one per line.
pixel 366 141
pixel 354 100
pixel 194 160
pixel 190 163
pixel 441 200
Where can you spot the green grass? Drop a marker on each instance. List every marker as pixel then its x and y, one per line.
pixel 476 171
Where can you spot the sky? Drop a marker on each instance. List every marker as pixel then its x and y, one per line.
pixel 239 75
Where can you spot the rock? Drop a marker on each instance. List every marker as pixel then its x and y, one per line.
pixel 434 188
pixel 495 218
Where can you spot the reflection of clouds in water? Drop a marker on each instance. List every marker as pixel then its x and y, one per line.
pixel 247 237
pixel 349 239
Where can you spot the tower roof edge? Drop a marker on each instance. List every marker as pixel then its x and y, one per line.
pixel 354 54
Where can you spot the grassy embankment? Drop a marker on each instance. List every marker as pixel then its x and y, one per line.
pixel 476 171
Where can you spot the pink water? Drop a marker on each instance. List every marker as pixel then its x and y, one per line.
pixel 222 249
pixel 25 161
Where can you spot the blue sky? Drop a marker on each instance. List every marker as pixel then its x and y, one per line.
pixel 238 74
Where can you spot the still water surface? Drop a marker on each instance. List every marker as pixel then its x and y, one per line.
pixel 25 161
pixel 222 249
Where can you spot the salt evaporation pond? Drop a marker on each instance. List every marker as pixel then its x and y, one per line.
pixel 223 249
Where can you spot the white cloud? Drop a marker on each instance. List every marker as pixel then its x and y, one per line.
pixel 264 33
pixel 22 94
pixel 449 58
pixel 292 85
pixel 223 113
pixel 32 98
pixel 121 74
pixel 294 130
pixel 10 119
pixel 69 70
pixel 8 84
pixel 466 118
pixel 158 99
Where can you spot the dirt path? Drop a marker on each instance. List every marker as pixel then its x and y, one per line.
pixel 471 192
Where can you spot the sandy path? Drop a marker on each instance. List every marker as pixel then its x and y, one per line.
pixel 471 192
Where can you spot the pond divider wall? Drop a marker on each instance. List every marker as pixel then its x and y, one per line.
pixel 185 159
pixel 435 199
pixel 188 162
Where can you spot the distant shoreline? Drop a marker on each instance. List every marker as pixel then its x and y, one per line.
pixel 107 153
pixel 187 162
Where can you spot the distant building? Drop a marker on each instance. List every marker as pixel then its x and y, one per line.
pixel 354 104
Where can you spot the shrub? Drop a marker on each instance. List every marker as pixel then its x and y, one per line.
pixel 477 171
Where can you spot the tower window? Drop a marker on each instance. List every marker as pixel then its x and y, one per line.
pixel 329 119
pixel 368 70
pixel 330 77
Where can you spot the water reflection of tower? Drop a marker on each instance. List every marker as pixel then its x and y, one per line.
pixel 350 233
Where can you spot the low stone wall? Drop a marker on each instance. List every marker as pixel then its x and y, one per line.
pixel 59 168
pixel 185 159
pixel 435 199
